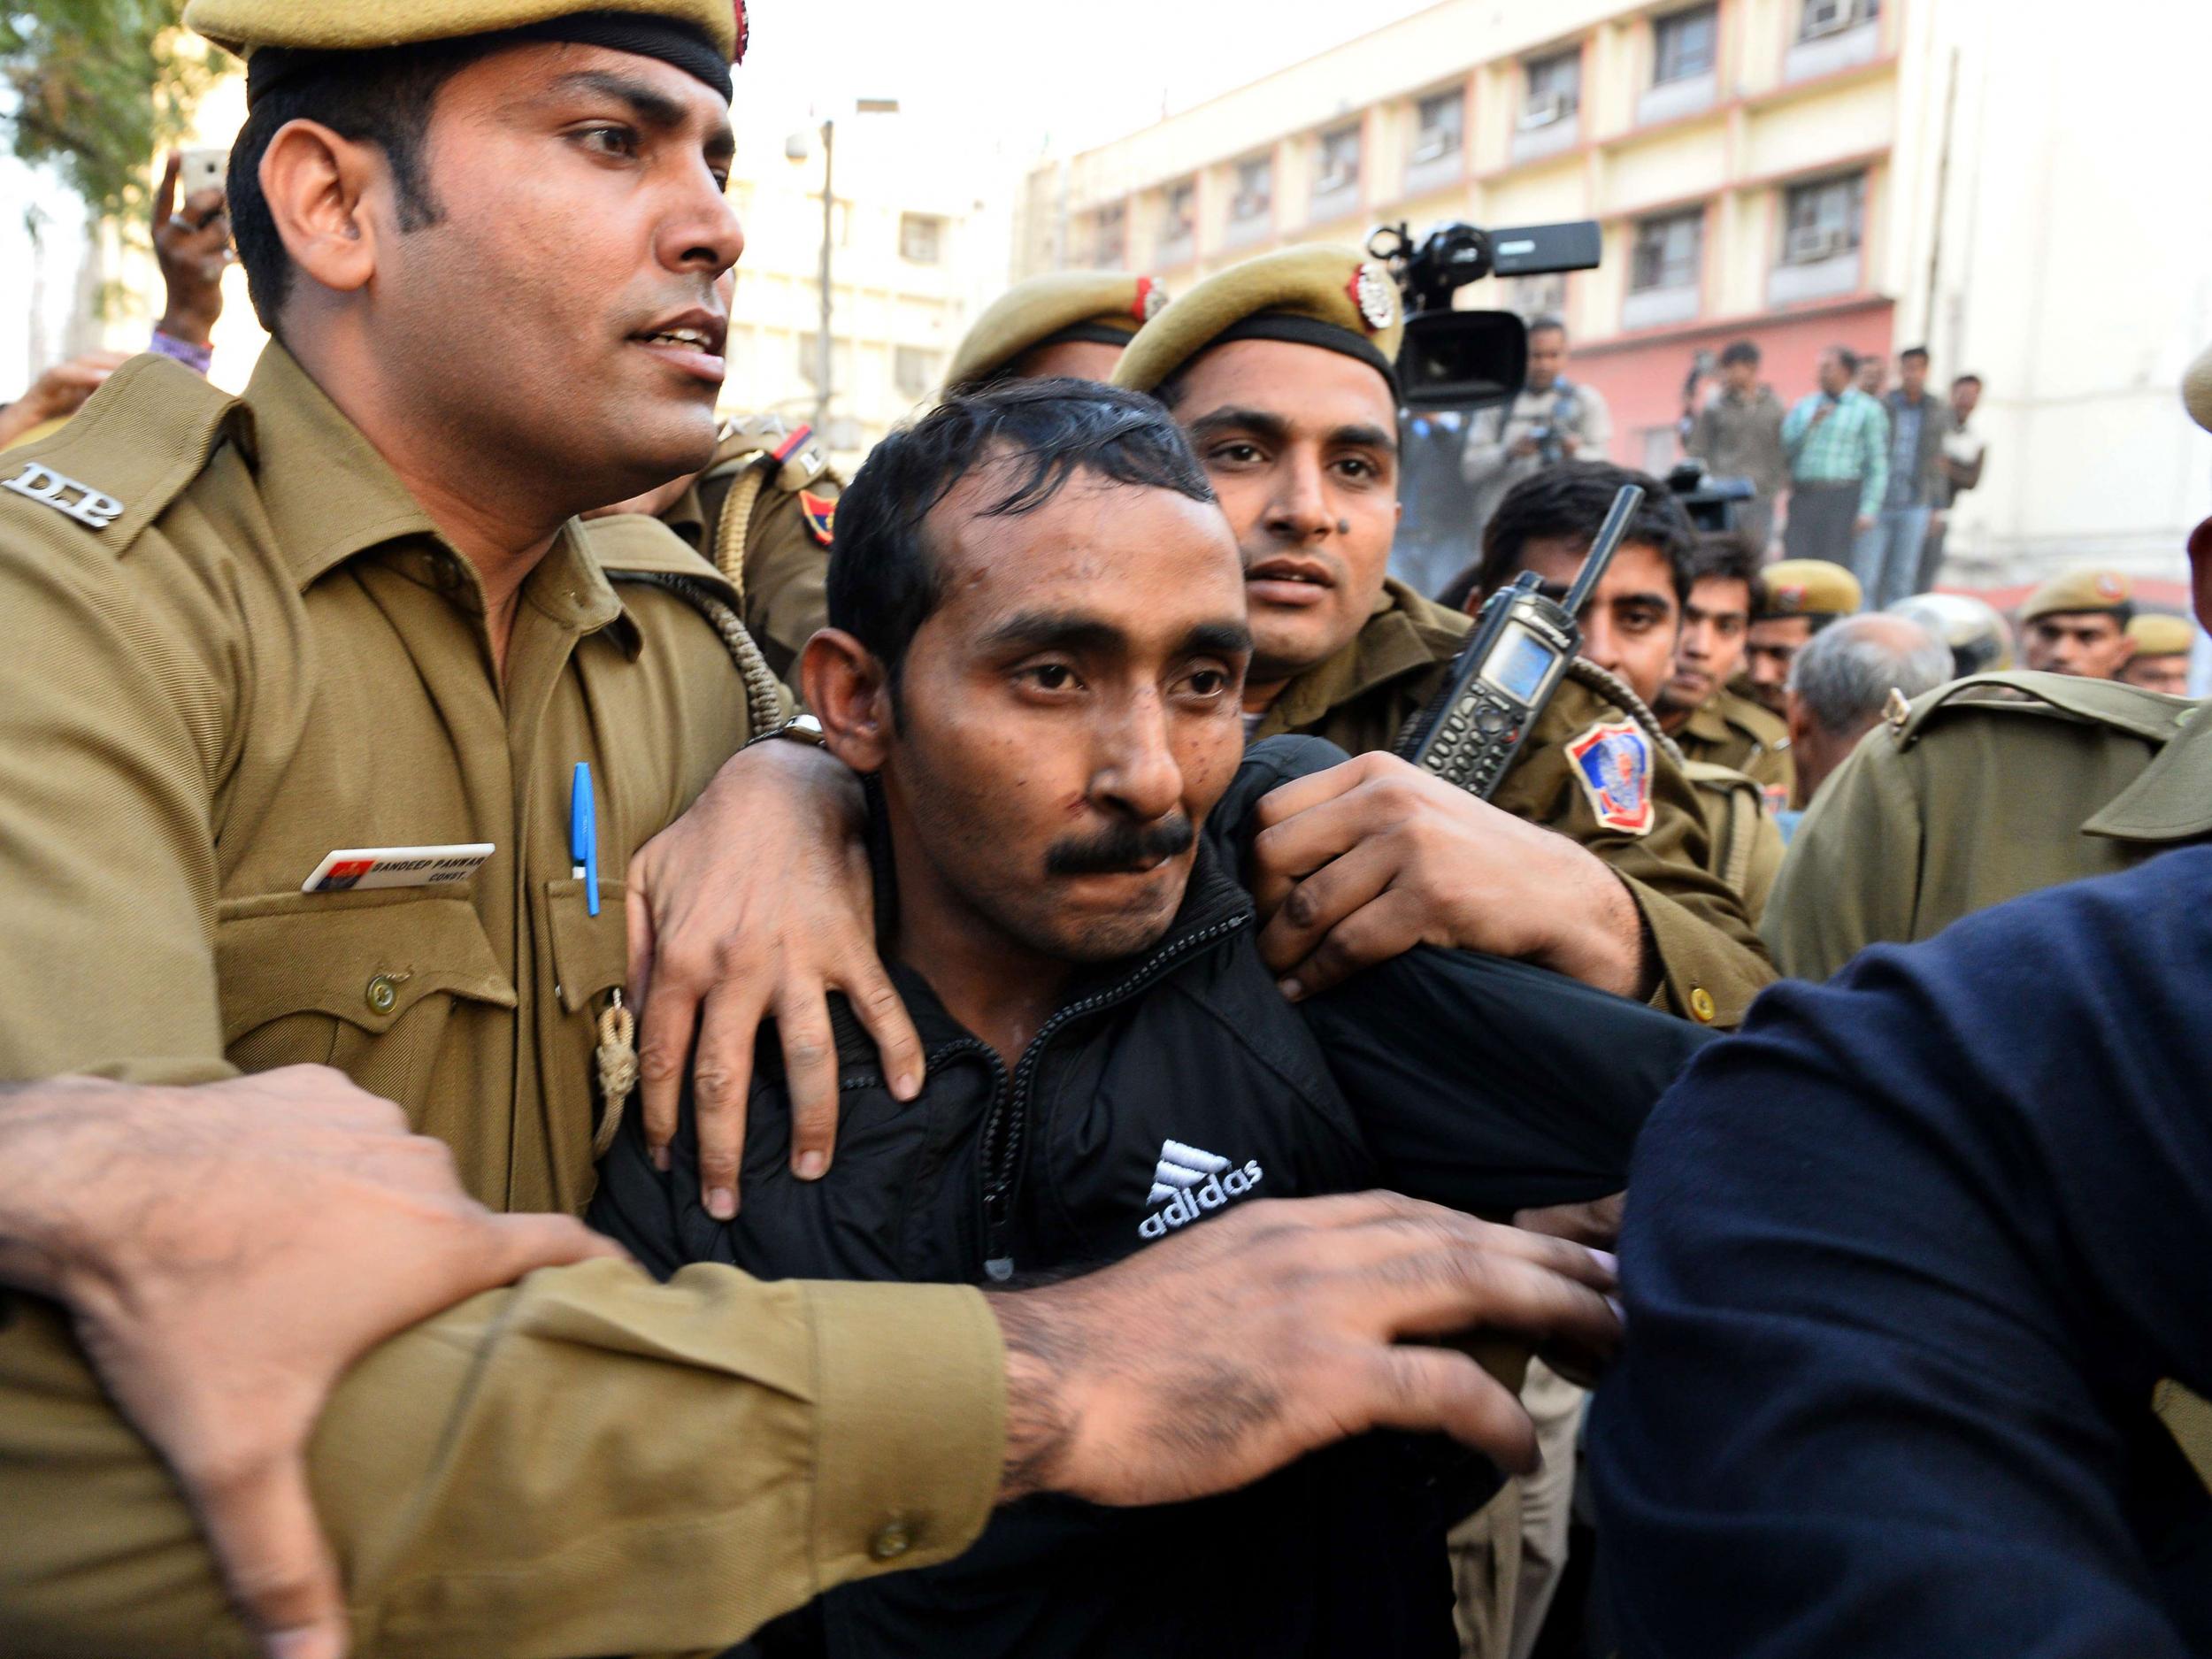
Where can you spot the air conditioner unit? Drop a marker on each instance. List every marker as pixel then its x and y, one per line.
pixel 1830 17
pixel 1545 111
pixel 1816 243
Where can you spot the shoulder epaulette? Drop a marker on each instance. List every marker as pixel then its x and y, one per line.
pixel 789 457
pixel 127 453
pixel 2149 715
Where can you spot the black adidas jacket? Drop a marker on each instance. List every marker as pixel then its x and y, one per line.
pixel 1168 1087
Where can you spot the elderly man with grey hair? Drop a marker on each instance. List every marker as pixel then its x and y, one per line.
pixel 1842 681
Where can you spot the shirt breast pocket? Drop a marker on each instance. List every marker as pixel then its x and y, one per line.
pixel 366 982
pixel 590 963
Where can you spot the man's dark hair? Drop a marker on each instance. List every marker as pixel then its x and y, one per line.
pixel 1740 352
pixel 1728 556
pixel 884 581
pixel 1913 351
pixel 380 97
pixel 1848 357
pixel 1570 502
pixel 1965 380
pixel 1546 323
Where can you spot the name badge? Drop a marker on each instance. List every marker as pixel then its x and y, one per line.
pixel 361 867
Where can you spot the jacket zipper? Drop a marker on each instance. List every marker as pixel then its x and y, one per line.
pixel 1004 1128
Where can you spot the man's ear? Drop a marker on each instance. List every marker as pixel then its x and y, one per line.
pixel 315 182
pixel 1794 717
pixel 845 689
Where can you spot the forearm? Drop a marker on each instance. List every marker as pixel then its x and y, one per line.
pixel 585 1463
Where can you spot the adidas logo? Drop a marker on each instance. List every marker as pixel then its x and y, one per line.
pixel 1192 1183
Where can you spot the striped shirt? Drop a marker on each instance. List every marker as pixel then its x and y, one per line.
pixel 1851 446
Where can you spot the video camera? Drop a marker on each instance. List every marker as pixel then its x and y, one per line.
pixel 1455 359
pixel 1710 501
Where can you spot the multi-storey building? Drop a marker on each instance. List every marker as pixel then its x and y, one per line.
pixel 2008 183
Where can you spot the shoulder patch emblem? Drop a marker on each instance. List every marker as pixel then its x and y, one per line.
pixel 1612 763
pixel 87 505
pixel 820 515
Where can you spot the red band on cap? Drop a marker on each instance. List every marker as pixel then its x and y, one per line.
pixel 744 31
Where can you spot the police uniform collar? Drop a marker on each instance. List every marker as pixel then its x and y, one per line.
pixel 1707 723
pixel 2169 800
pixel 327 493
pixel 1406 634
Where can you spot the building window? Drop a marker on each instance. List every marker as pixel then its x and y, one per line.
pixel 1823 220
pixel 1336 173
pixel 1439 126
pixel 914 371
pixel 1822 18
pixel 921 239
pixel 1683 44
pixel 1178 218
pixel 1554 90
pixel 1667 251
pixel 1255 194
pixel 1109 236
pixel 1533 297
pixel 1664 262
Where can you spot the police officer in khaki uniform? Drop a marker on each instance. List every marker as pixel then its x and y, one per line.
pixel 300 685
pixel 1795 600
pixel 1708 721
pixel 2076 623
pixel 2160 660
pixel 1074 324
pixel 1281 370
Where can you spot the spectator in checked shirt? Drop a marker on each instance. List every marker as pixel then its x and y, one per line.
pixel 1837 439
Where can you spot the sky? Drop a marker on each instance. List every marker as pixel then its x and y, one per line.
pixel 1028 72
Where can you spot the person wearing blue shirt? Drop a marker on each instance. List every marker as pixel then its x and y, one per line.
pixel 1906 1261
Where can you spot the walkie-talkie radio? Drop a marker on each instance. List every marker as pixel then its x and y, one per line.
pixel 1504 676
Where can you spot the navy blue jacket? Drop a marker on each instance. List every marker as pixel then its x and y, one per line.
pixel 1904 1262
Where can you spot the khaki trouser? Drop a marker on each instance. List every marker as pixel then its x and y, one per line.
pixel 1508 1556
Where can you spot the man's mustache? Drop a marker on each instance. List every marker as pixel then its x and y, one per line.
pixel 1121 847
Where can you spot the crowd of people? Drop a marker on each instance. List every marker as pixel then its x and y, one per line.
pixel 613 1045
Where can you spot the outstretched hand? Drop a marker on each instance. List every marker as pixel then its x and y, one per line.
pixel 1297 1323
pixel 227 1252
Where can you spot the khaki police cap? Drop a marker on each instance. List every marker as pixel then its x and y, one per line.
pixel 353 25
pixel 2157 634
pixel 1808 588
pixel 1105 306
pixel 2089 589
pixel 2196 389
pixel 1337 298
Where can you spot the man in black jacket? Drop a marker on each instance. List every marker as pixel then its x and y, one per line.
pixel 1038 646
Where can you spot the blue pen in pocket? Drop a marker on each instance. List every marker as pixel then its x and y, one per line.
pixel 583 836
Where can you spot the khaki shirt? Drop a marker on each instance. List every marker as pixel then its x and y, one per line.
pixel 1711 962
pixel 1746 842
pixel 786 558
pixel 1994 785
pixel 587 1463
pixel 1735 732
pixel 267 653
pixel 272 654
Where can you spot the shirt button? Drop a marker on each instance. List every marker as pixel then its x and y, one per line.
pixel 383 994
pixel 1702 1006
pixel 893 1539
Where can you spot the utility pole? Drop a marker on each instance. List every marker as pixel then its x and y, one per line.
pixel 796 149
pixel 829 236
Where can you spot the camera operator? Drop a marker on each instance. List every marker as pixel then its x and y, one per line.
pixel 1552 420
pixel 1738 434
